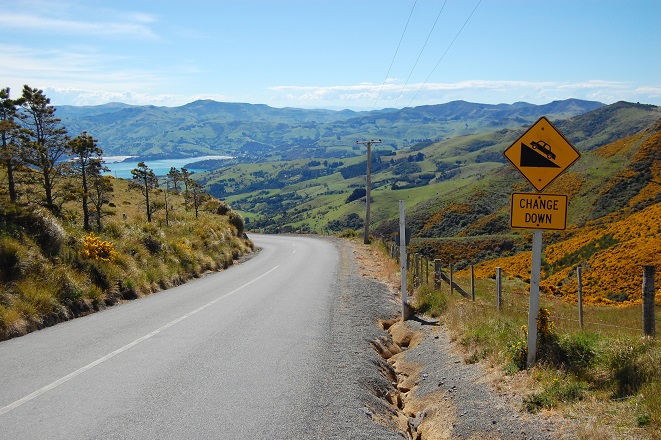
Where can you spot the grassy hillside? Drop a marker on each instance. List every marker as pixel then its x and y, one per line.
pixel 311 194
pixel 622 235
pixel 457 195
pixel 258 133
pixel 52 270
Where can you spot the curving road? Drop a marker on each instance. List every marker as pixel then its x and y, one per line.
pixel 261 350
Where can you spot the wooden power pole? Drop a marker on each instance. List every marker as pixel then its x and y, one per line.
pixel 368 187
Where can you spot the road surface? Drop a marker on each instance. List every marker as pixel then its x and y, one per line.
pixel 276 347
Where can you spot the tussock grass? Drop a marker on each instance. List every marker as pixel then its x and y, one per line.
pixel 608 377
pixel 51 269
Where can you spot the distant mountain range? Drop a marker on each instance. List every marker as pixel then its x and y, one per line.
pixel 261 133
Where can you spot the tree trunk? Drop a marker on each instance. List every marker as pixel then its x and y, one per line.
pixel 86 210
pixel 13 195
pixel 147 200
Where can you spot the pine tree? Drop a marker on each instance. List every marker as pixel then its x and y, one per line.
pixel 87 165
pixel 146 181
pixel 44 140
pixel 9 133
pixel 176 177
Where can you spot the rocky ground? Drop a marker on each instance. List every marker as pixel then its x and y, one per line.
pixel 419 386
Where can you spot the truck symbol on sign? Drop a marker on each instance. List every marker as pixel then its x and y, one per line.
pixel 544 148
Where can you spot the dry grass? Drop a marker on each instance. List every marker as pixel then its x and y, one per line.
pixel 590 396
pixel 52 270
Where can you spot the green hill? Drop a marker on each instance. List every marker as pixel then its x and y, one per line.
pixel 311 194
pixel 258 133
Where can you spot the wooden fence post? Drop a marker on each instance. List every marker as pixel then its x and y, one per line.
pixel 472 282
pixel 416 279
pixel 451 280
pixel 499 289
pixel 437 274
pixel 579 280
pixel 649 326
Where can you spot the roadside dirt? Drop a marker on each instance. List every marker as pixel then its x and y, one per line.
pixel 435 394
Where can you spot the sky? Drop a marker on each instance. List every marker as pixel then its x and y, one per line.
pixel 333 54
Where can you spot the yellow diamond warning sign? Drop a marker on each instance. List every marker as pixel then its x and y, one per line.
pixel 541 154
pixel 539 211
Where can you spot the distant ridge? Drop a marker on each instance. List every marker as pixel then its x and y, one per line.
pixel 208 127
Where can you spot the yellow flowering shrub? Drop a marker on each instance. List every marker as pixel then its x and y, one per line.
pixel 568 183
pixel 612 257
pixel 96 249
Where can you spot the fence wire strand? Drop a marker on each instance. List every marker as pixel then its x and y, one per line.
pixel 417 280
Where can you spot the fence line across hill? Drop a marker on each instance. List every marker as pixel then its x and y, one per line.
pixel 419 267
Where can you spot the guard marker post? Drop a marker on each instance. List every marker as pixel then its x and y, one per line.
pixel 402 258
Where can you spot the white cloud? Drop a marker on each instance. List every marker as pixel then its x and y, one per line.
pixel 486 91
pixel 135 25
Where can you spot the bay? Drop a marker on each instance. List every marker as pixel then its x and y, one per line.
pixel 121 166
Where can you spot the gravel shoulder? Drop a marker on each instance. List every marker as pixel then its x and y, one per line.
pixel 413 381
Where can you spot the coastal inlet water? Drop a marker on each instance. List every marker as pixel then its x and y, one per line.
pixel 121 166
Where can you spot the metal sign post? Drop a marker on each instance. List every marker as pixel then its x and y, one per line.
pixel 541 154
pixel 533 308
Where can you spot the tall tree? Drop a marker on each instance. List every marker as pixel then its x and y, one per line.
pixel 146 181
pixel 87 164
pixel 197 195
pixel 176 177
pixel 44 140
pixel 100 195
pixel 186 180
pixel 9 132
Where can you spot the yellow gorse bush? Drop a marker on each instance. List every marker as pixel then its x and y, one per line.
pixel 96 249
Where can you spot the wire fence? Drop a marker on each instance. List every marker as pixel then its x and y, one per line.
pixel 423 270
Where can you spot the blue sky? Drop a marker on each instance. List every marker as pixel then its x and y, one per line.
pixel 356 54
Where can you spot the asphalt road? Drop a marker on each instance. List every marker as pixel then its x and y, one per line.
pixel 255 351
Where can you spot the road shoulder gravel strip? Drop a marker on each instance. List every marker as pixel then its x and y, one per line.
pixel 423 388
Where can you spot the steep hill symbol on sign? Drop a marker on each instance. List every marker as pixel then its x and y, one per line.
pixel 541 154
pixel 538 156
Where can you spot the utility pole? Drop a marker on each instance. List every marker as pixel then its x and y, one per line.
pixel 368 187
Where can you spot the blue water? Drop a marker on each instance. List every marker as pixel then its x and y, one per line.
pixel 121 166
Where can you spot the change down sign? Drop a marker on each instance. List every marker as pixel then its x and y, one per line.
pixel 539 211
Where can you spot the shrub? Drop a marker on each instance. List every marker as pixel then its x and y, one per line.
pixel 223 208
pixel 9 259
pixel 96 249
pixel 518 351
pixel 430 301
pixel 349 233
pixel 548 347
pixel 578 352
pixel 47 231
pixel 237 221
pixel 634 364
pixel 67 284
pixel 558 391
pixel 103 275
pixel 152 244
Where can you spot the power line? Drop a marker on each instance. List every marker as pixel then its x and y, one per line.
pixel 395 56
pixel 420 54
pixel 444 53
